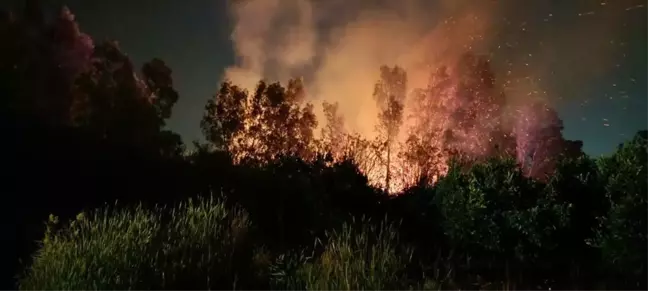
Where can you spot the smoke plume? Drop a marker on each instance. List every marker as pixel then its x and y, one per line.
pixel 337 46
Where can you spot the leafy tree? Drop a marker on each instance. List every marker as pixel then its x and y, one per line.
pixel 157 77
pixel 40 63
pixel 622 233
pixel 575 182
pixel 333 134
pixel 225 116
pixel 390 93
pixel 501 218
pixel 426 144
pixel 540 143
pixel 72 48
pixel 347 147
pixel 460 111
pixel 261 126
pixel 55 74
pixel 364 152
pixel 115 103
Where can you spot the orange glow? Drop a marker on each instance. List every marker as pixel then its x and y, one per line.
pixel 338 47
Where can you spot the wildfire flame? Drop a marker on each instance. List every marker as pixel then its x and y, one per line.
pixel 338 46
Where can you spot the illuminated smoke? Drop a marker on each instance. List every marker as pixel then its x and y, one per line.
pixel 338 46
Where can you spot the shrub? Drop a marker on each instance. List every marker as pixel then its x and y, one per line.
pixel 203 246
pixel 353 259
pixel 194 245
pixel 621 235
pixel 497 218
pixel 108 250
pixel 577 185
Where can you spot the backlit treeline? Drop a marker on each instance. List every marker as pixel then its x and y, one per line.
pixel 59 75
pixel 462 113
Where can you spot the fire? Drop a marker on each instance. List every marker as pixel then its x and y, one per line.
pixel 454 104
pixel 459 110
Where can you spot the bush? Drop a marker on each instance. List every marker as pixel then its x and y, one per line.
pixel 366 258
pixel 108 250
pixel 621 235
pixel 194 245
pixel 292 201
pixel 577 185
pixel 497 220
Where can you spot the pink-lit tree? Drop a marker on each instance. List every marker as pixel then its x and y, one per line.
pixel 539 139
pixel 72 48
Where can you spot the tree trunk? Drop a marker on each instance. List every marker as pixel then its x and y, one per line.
pixel 388 164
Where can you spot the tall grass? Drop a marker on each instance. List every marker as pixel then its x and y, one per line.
pixel 194 245
pixel 359 256
pixel 107 250
pixel 203 245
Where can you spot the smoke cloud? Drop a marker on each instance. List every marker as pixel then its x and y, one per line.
pixel 337 46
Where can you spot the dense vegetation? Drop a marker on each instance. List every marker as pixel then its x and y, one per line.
pixel 99 195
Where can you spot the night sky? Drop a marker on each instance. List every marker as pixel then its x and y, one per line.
pixel 193 37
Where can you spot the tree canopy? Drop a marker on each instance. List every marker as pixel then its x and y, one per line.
pixel 58 75
pixel 272 121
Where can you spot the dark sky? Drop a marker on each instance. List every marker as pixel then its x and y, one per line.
pixel 193 38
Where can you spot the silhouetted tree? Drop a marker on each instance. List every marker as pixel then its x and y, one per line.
pixel 622 233
pixel 225 116
pixel 366 153
pixel 540 143
pixel 53 73
pixel 333 134
pixel 81 115
pixel 261 126
pixel 390 93
pixel 430 111
pixel 42 60
pixel 500 218
pixel 116 103
pixel 577 182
